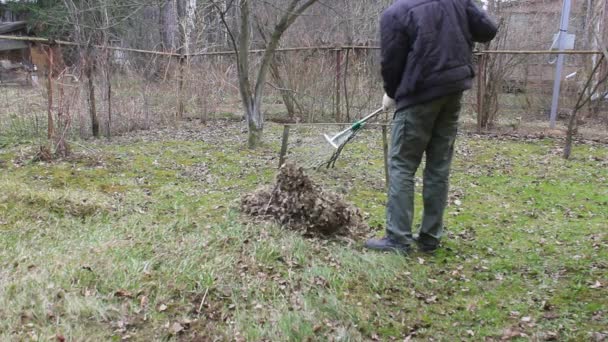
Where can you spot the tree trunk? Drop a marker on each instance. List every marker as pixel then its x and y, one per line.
pixel 168 25
pixel 186 11
pixel 186 14
pixel 253 114
pixel 255 124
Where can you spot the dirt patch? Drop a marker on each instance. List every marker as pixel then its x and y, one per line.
pixel 298 204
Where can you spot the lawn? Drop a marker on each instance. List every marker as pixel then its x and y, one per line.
pixel 140 239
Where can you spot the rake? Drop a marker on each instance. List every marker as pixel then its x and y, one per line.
pixel 340 140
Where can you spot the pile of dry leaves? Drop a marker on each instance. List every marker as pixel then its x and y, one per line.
pixel 297 203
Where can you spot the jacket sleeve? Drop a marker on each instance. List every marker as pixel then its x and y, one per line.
pixel 481 25
pixel 394 45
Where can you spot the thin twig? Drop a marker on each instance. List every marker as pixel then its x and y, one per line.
pixel 200 307
pixel 270 200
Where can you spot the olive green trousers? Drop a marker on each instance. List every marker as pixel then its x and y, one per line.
pixel 429 128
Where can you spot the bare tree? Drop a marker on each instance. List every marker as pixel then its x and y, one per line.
pixel 586 95
pixel 84 25
pixel 251 93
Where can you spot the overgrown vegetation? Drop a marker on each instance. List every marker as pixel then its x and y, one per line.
pixel 138 239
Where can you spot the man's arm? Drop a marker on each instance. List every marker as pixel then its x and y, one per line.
pixel 394 44
pixel 481 25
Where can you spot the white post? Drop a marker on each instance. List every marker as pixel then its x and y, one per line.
pixel 563 31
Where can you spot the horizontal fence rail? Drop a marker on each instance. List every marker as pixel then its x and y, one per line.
pixel 50 41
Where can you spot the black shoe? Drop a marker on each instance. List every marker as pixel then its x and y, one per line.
pixel 425 248
pixel 387 244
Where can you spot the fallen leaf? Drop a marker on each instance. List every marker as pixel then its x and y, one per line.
pixel 599 337
pixel 421 261
pixel 176 328
pixel 511 333
pixel 597 316
pixel 550 336
pixel 143 302
pixel 550 315
pixel 123 294
pixel 431 300
pixel 596 285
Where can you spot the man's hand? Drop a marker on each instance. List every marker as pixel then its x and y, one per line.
pixel 388 103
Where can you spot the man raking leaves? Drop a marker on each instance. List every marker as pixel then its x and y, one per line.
pixel 426 66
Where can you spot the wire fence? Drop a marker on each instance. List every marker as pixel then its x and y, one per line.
pixel 111 90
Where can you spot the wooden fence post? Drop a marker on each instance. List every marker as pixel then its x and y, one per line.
pixel 284 145
pixel 90 73
pixel 481 84
pixel 338 77
pixel 181 107
pixel 51 130
pixel 345 80
pixel 109 90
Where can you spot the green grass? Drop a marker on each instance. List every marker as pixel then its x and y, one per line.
pixel 138 238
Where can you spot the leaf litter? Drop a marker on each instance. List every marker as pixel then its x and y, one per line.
pixel 297 203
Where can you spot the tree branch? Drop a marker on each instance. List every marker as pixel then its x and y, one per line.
pixel 290 16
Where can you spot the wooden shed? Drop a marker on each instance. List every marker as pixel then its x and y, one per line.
pixel 22 56
pixel 13 50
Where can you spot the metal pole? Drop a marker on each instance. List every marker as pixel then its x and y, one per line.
pixel 563 31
